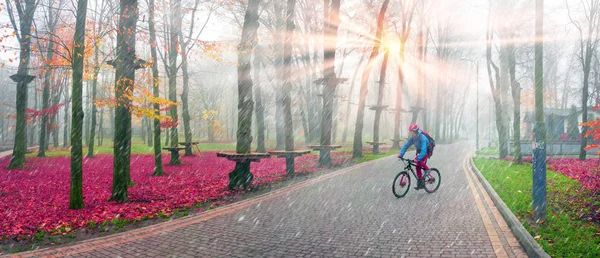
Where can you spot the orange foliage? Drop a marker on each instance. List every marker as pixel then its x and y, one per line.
pixel 594 132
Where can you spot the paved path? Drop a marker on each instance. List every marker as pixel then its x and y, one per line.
pixel 347 213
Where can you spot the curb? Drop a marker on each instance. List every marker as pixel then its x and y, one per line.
pixel 532 248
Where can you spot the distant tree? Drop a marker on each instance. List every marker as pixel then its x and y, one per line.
pixel 572 125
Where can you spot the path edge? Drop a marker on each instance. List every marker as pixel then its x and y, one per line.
pixel 532 248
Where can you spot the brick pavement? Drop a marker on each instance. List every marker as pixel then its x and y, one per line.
pixel 346 213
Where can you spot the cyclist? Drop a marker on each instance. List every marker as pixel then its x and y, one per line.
pixel 420 141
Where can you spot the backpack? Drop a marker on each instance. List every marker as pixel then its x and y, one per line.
pixel 431 145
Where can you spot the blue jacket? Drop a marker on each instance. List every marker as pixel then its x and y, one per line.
pixel 420 142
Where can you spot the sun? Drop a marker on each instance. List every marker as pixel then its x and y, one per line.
pixel 391 44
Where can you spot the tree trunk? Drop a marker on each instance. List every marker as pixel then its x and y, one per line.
pixel 584 99
pixel 175 25
pixel 330 81
pixel 241 176
pixel 22 79
pixel 398 113
pixel 76 195
pixel 287 70
pixel 101 128
pixel 260 109
pixel 33 125
pixel 347 114
pixel 149 131
pixel 158 167
pixel 516 94
pixel 124 84
pixel 279 37
pixel 420 72
pixel 184 101
pixel 66 122
pixel 92 127
pixel 143 130
pixel 46 95
pixel 378 110
pixel 360 114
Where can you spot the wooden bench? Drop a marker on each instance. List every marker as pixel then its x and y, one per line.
pixel 289 158
pixel 241 176
pixel 193 145
pixel 174 155
pixel 324 157
pixel 324 147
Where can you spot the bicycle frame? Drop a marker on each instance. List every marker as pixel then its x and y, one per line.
pixel 409 166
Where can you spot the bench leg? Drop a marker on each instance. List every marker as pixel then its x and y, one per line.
pixel 240 177
pixel 175 158
pixel 325 158
pixel 188 151
pixel 289 165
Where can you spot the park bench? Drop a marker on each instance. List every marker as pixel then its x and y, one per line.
pixel 174 155
pixel 193 145
pixel 289 158
pixel 241 176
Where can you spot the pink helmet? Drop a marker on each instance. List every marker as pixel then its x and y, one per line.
pixel 413 127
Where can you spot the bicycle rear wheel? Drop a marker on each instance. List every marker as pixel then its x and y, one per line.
pixel 401 184
pixel 433 180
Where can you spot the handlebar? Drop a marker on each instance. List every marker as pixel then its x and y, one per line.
pixel 411 162
pixel 408 160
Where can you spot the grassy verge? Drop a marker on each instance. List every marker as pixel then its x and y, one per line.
pixel 564 233
pixel 488 151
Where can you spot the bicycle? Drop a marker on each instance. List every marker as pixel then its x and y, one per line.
pixel 401 182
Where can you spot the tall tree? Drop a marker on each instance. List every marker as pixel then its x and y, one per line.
pixel 287 70
pixel 241 174
pixel 76 196
pixel 407 10
pixel 260 107
pixel 498 90
pixel 158 167
pixel 124 84
pixel 25 11
pixel 98 31
pixel 330 82
pixel 187 43
pixel 360 115
pixel 379 107
pixel 172 67
pixel 516 94
pixel 573 125
pixel 51 22
pixel 589 36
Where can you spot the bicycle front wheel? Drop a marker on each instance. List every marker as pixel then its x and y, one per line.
pixel 433 180
pixel 401 184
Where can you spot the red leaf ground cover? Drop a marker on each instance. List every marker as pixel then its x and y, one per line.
pixel 586 172
pixel 37 196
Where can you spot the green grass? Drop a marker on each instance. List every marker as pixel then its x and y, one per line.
pixel 488 151
pixel 368 155
pixel 136 148
pixel 563 234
